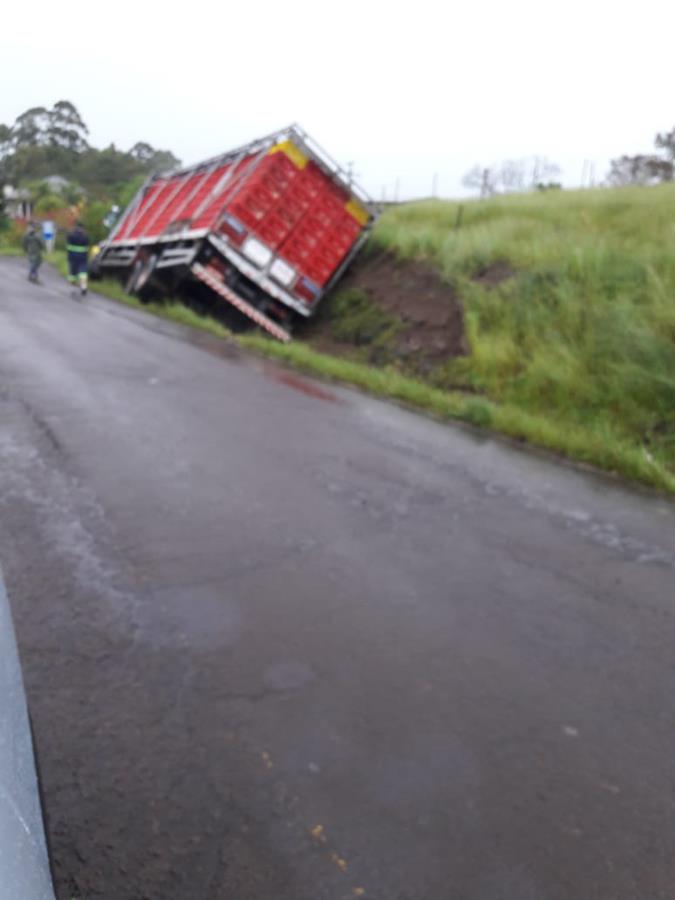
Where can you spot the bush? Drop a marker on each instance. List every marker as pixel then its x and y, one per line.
pixel 48 203
pixel 92 218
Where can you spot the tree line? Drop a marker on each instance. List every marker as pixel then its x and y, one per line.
pixel 646 168
pixel 44 142
pixel 538 173
pixel 513 176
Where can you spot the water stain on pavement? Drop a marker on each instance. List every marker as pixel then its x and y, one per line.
pixel 291 380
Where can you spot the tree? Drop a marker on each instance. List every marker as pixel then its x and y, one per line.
pixel 30 129
pixel 643 169
pixel 61 126
pixel 483 178
pixel 513 175
pixel 66 127
pixel 153 160
pixel 106 168
pixel 5 137
pixel 43 142
pixel 5 133
pixel 92 217
pixel 142 152
pixel 128 191
pixel 542 171
pixel 646 168
pixel 72 193
pixel 164 161
pixel 3 212
pixel 666 142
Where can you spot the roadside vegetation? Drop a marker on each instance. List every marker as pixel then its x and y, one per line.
pixel 573 343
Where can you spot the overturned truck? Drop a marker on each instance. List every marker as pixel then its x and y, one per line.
pixel 266 230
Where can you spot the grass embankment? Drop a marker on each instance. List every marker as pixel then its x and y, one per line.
pixel 575 351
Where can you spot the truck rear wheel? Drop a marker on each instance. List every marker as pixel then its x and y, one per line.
pixel 141 273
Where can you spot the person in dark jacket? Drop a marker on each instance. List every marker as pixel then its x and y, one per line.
pixel 34 246
pixel 77 245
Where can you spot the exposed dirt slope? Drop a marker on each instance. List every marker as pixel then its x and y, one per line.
pixel 394 310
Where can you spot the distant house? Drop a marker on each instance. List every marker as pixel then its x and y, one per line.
pixel 18 202
pixel 57 183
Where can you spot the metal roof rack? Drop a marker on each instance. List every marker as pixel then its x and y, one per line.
pixel 306 143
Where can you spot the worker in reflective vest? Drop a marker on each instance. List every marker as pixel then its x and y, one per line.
pixel 78 251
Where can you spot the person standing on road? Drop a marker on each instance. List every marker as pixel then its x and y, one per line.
pixel 34 246
pixel 77 245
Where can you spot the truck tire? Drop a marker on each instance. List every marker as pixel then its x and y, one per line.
pixel 131 280
pixel 140 276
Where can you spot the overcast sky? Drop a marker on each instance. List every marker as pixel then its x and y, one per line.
pixel 405 89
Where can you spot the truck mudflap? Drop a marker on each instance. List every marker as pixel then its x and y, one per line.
pixel 211 277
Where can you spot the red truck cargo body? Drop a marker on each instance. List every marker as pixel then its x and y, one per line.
pixel 278 212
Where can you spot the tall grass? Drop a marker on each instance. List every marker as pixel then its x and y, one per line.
pixel 583 335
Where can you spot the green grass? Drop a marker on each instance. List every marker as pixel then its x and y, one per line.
pixel 575 353
pixel 577 350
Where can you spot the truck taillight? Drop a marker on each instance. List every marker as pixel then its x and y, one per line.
pixel 306 289
pixel 233 228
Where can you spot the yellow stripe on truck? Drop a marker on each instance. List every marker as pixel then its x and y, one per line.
pixel 357 211
pixel 296 156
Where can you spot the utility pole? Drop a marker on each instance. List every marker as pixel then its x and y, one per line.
pixel 536 178
pixel 434 185
pixel 485 184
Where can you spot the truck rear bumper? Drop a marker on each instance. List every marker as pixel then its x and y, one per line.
pixel 212 278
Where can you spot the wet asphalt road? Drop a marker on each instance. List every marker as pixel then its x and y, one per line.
pixel 286 642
